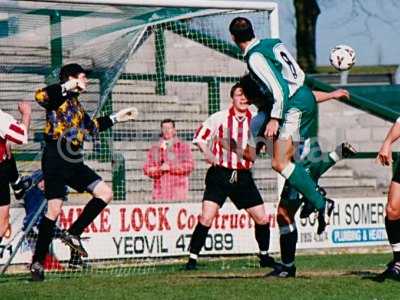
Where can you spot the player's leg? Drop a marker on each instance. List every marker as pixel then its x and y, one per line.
pixel 297 176
pixel 8 174
pixel 245 195
pixel 314 160
pixel 85 179
pixel 215 193
pixel 300 123
pixel 54 170
pixel 262 234
pixel 288 205
pixel 294 172
pixel 320 162
pixel 19 185
pixel 4 220
pixel 317 163
pixel 208 212
pixel 392 224
pixel 4 201
pixel 102 195
pixel 45 236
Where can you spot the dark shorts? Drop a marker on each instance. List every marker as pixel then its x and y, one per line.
pixel 8 174
pixel 220 184
pixel 396 174
pixel 60 171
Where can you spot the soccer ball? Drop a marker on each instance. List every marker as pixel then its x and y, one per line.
pixel 342 57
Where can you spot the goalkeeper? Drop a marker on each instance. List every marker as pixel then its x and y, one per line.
pixel 67 124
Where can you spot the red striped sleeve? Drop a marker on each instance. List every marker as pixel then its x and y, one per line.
pixel 221 152
pixel 247 164
pixel 17 129
pixel 3 149
pixel 240 143
pixel 13 139
pixel 230 132
pixel 206 134
pixel 214 148
pixel 198 131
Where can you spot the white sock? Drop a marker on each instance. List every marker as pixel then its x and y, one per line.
pixel 288 170
pixel 335 157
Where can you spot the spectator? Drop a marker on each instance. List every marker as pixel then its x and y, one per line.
pixel 169 163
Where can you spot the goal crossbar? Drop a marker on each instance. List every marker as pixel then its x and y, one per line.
pixel 206 4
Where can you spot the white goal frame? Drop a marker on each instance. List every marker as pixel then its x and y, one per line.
pixel 271 7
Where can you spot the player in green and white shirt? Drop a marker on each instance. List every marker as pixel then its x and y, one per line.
pixel 309 155
pixel 293 110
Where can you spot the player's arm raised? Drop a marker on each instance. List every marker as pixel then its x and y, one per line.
pixel 339 94
pixel 385 153
pixel 103 123
pixel 53 96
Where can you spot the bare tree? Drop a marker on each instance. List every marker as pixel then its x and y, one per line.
pixel 307 12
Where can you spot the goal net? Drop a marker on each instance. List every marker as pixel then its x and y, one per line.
pixel 171 62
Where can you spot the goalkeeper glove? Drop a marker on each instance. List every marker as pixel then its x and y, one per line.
pixel 74 85
pixel 124 115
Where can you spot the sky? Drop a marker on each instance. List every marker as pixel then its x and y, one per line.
pixel 371 27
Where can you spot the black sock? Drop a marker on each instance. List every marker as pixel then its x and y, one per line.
pixel 393 233
pixel 262 234
pixel 46 230
pixel 92 209
pixel 288 241
pixel 198 238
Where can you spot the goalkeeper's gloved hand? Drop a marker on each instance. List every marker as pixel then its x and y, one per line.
pixel 124 115
pixel 74 85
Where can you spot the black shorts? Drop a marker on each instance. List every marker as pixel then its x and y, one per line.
pixel 8 174
pixel 60 171
pixel 221 183
pixel 396 174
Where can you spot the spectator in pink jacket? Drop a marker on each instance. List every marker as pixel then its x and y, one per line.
pixel 169 163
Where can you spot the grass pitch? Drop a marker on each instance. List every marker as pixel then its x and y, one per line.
pixel 319 277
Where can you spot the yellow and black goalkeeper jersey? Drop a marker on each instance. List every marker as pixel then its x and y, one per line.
pixel 66 118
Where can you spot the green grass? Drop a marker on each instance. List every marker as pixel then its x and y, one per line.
pixel 319 277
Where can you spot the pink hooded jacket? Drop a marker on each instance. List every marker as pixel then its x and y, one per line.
pixel 172 184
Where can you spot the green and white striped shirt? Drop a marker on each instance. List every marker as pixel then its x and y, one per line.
pixel 275 70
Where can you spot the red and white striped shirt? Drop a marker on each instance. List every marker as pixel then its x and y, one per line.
pixel 225 124
pixel 10 131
